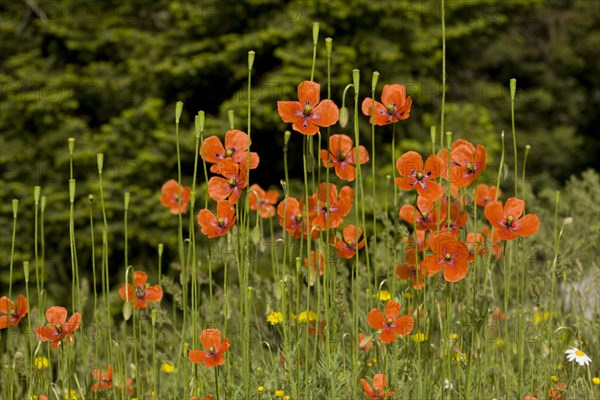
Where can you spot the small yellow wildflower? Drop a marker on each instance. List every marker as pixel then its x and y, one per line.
pixel 307 316
pixel 369 365
pixel 418 337
pixel 286 397
pixel 460 357
pixel 70 395
pixel 260 389
pixel 168 368
pixel 455 336
pixel 537 317
pixel 499 342
pixel 554 378
pixel 275 318
pixel 596 381
pixel 374 360
pixel 41 362
pixel 385 295
pixel 407 295
pixel 279 393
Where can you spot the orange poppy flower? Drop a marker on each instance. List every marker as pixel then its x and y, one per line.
pixel 141 293
pixel 308 114
pixel 327 212
pixel 458 218
pixel 169 193
pixel 508 221
pixel 416 273
pixel 312 272
pixel 261 201
pixel 58 328
pixel 475 245
pixel 290 217
pixel 424 216
pixel 319 330
pixel 236 147
pixel 414 176
pixel 230 186
pixel 466 162
pixel 215 226
pixel 11 315
pixel 104 381
pixel 211 341
pixel 556 391
pixel 346 246
pixel 395 107
pixel 363 343
pixel 390 324
pixel 530 398
pixel 450 254
pixel 343 156
pixel 378 389
pixel 485 194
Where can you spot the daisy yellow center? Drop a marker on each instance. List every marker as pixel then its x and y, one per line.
pixel 579 353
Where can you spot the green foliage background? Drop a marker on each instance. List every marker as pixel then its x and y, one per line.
pixel 108 73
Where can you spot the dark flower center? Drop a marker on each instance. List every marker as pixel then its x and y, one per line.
pixel 391 108
pixel 212 350
pixel 58 327
pixel 470 167
pixel 139 291
pixel 341 156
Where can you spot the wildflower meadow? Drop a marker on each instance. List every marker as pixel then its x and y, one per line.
pixel 426 269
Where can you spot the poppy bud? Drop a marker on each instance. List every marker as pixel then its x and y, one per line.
pixel 100 161
pixel 250 59
pixel 178 110
pixel 71 145
pixel 432 133
pixel 126 198
pixel 231 118
pixel 71 190
pixel 36 194
pixel 315 32
pixel 513 88
pixel 343 116
pixel 43 203
pixel 328 45
pixel 374 81
pixel 15 207
pixel 26 270
pixel 356 79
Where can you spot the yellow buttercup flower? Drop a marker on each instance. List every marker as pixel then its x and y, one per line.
pixel 41 362
pixel 554 378
pixel 418 337
pixel 168 368
pixel 279 393
pixel 260 388
pixel 275 318
pixel 596 381
pixel 307 316
pixel 385 295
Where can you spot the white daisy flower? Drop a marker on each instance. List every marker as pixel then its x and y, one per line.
pixel 579 356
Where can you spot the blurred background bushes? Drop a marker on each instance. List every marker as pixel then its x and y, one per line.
pixel 108 73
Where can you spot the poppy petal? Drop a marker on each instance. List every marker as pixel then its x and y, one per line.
pixel 140 278
pixel 237 141
pixel 340 144
pixel 528 225
pixel 375 319
pixel 56 315
pixel 289 111
pixel 513 207
pixel 212 150
pixel 392 309
pixel 325 114
pixel 309 93
pixel 154 293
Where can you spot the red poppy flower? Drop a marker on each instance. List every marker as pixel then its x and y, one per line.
pixel 169 193
pixel 262 201
pixel 424 216
pixel 236 147
pixel 215 226
pixel 346 247
pixel 364 343
pixel 390 324
pixel 466 162
pixel 104 381
pixel 416 273
pixel 312 270
pixel 290 216
pixel 485 194
pixel 326 209
pixel 508 221
pixel 308 114
pixel 141 293
pixel 230 186
pixel 213 356
pixel 458 218
pixel 343 156
pixel 395 107
pixel 414 176
pixel 59 328
pixel 11 315
pixel 378 389
pixel 475 245
pixel 450 254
